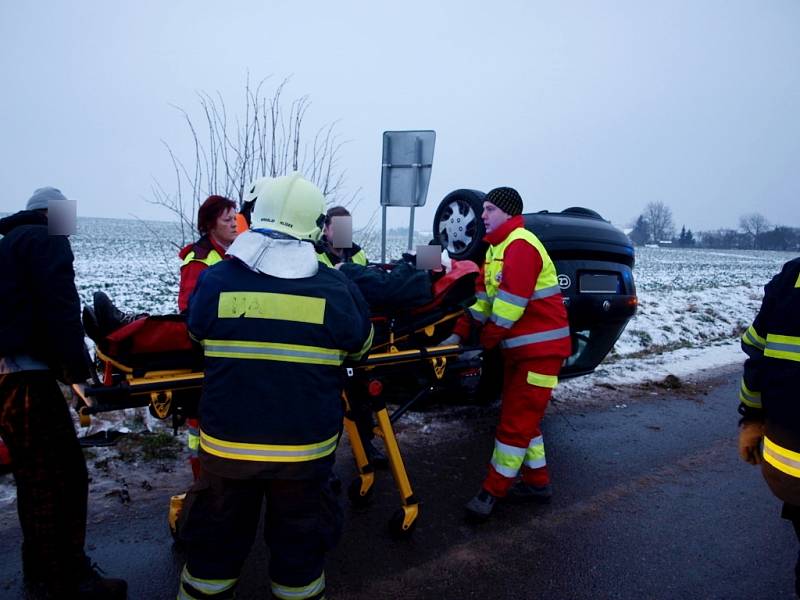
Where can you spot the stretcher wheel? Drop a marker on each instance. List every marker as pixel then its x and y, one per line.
pixel 359 497
pixel 403 522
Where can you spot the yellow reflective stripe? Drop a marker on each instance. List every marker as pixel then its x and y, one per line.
pixel 295 353
pixel 206 586
pixel 285 592
pixel 534 455
pixel 782 458
pixel 506 459
pixel 269 305
pixel 323 258
pixel 748 397
pixel 212 258
pixel 359 258
pixel 365 348
pixel 541 380
pixel 751 337
pixel 797 283
pixel 786 347
pixel 267 452
pixel 505 314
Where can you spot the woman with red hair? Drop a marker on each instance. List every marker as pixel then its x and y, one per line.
pixel 216 221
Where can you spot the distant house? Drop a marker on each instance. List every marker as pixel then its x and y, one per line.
pixel 665 243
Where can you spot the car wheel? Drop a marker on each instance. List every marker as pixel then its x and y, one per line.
pixel 457 225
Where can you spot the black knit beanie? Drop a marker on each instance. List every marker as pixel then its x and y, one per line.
pixel 506 199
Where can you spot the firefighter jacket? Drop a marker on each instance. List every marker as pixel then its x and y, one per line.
pixel 519 303
pixel 349 255
pixel 196 257
pixel 769 387
pixel 274 349
pixel 39 306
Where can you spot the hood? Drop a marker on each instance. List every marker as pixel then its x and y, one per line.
pixel 277 256
pixel 23 217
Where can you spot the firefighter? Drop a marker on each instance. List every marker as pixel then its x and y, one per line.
pixel 770 425
pixel 334 248
pixel 275 327
pixel 520 309
pixel 331 254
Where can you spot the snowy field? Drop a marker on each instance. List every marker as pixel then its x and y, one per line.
pixel 691 302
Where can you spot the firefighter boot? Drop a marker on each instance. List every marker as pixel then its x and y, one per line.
pixel 94 587
pixel 480 507
pixel 525 492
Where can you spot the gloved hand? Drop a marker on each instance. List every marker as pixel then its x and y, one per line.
pixel 450 340
pixel 750 434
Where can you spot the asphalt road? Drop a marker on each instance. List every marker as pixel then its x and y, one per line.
pixel 651 502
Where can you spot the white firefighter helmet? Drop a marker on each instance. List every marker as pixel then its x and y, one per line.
pixel 289 204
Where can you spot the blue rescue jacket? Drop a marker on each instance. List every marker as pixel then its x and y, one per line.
pixel 274 349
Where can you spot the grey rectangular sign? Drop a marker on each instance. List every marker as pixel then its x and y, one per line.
pixel 406 167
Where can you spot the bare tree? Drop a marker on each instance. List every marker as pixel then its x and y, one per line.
pixel 754 225
pixel 659 217
pixel 266 140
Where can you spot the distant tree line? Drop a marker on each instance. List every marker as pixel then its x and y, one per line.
pixel 655 226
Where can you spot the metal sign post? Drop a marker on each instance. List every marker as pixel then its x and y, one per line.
pixel 405 175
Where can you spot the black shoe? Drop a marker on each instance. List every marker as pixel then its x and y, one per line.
pixel 90 325
pixel 480 506
pixel 109 317
pixel 93 586
pixel 525 492
pixel 375 457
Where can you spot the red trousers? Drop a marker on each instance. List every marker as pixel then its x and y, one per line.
pixel 519 449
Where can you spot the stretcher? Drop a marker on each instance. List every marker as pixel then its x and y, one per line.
pixel 152 362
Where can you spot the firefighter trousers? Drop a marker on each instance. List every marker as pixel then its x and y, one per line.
pixel 519 446
pixel 302 521
pixel 50 473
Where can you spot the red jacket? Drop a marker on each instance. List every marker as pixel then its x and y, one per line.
pixel 522 265
pixel 190 271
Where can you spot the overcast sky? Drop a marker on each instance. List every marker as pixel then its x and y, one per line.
pixel 608 105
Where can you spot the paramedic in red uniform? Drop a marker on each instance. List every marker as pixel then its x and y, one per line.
pixel 276 327
pixel 218 227
pixel 519 308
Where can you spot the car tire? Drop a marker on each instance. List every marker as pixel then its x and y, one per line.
pixel 457 225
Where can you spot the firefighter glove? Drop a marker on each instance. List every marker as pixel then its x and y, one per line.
pixel 750 434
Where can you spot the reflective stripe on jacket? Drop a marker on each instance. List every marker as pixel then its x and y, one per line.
pixel 273 354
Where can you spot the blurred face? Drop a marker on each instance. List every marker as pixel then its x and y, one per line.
pixel 224 229
pixel 493 217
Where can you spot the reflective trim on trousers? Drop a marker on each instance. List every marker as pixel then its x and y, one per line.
pixel 781 458
pixel 534 455
pixel 535 338
pixel 506 459
pixel 204 587
pixel 285 592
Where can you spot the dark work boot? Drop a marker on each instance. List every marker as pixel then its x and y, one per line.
pixel 92 586
pixel 109 318
pixel 525 492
